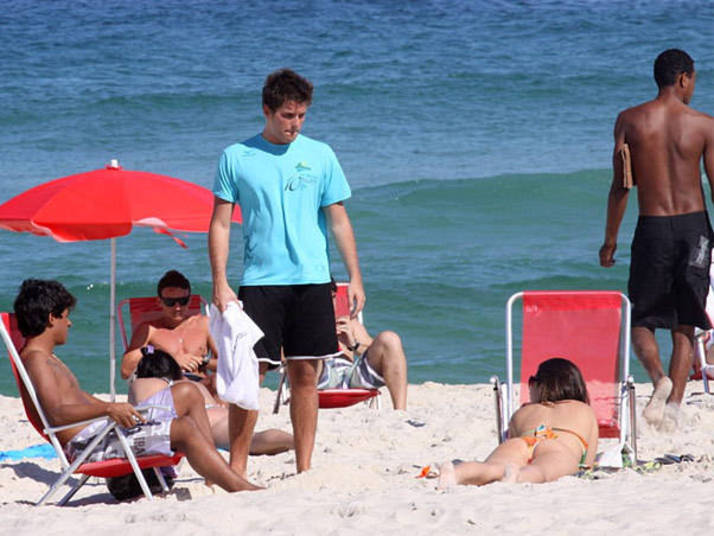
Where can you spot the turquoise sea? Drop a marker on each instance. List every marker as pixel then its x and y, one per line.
pixel 476 136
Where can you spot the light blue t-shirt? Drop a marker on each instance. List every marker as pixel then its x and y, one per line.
pixel 281 190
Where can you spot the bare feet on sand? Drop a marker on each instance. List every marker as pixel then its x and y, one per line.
pixel 670 419
pixel 447 476
pixel 654 410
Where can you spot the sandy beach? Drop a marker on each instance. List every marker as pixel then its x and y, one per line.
pixel 363 480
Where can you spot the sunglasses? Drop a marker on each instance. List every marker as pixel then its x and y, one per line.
pixel 170 302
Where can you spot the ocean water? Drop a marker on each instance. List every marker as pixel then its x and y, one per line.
pixel 476 137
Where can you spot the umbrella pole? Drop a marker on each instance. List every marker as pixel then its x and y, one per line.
pixel 112 320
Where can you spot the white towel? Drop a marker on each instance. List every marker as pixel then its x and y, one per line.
pixel 235 335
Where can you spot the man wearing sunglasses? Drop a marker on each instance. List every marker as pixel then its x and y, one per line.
pixel 186 337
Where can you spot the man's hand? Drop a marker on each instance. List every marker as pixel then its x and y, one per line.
pixel 188 362
pixel 607 255
pixel 222 296
pixel 345 334
pixel 357 298
pixel 125 415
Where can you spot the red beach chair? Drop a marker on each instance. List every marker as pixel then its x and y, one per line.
pixel 334 398
pixel 35 414
pixel 591 329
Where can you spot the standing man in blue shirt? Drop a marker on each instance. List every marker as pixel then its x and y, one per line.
pixel 290 189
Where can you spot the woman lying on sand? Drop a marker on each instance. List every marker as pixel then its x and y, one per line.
pixel 548 438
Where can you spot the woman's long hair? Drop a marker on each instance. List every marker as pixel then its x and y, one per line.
pixel 558 379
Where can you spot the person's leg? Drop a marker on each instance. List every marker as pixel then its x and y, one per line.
pixel 509 455
pixel 241 423
pixel 189 402
pixel 263 305
pixel 647 351
pixel 187 437
pixel 302 374
pixel 470 473
pixel 262 371
pixel 682 349
pixel 271 441
pixel 386 356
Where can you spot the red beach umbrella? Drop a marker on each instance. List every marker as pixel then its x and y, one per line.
pixel 107 203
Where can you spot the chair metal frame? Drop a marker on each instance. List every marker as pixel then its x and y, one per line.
pixel 105 468
pixel 505 396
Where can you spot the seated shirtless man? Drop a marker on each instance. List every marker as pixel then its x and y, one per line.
pixel 365 362
pixel 188 340
pixel 42 309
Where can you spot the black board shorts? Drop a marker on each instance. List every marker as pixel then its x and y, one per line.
pixel 298 318
pixel 669 271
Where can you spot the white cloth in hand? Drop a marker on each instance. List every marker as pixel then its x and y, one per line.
pixel 235 335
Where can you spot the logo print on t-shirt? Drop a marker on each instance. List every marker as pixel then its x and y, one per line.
pixel 301 179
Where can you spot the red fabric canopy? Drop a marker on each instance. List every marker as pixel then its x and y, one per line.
pixel 107 203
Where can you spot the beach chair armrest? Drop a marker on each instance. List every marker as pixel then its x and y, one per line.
pixel 54 429
pixel 140 409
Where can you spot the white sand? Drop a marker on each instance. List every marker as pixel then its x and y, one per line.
pixel 363 481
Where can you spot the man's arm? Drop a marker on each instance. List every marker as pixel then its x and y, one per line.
pixel 709 153
pixel 132 356
pixel 616 201
pixel 341 227
pixel 219 234
pixel 213 350
pixel 59 412
pixel 360 333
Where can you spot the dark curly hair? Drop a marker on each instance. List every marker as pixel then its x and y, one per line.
pixel 558 379
pixel 35 302
pixel 286 85
pixel 173 278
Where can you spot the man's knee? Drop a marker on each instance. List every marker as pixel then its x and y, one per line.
pixel 389 339
pixel 183 430
pixel 683 331
pixel 643 340
pixel 187 393
pixel 302 373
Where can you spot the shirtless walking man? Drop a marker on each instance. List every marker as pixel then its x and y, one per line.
pixel 42 309
pixel 669 270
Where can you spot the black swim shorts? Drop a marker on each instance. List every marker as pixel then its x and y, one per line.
pixel 298 318
pixel 669 271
